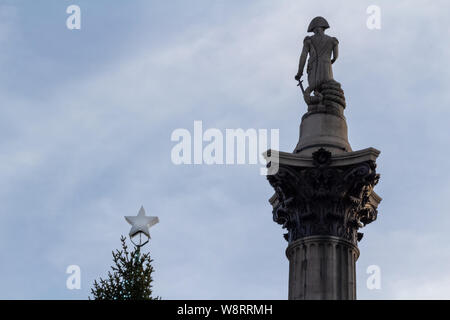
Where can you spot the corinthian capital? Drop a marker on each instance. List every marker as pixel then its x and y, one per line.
pixel 327 196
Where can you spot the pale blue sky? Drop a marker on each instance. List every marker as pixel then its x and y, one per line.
pixel 85 125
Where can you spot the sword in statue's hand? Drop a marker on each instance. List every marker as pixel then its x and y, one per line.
pixel 298 77
pixel 300 84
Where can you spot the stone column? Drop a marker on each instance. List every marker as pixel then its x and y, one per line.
pixel 326 263
pixel 323 190
pixel 323 196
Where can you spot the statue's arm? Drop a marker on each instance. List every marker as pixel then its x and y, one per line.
pixel 303 57
pixel 335 50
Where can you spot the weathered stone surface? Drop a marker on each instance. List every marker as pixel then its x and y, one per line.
pixel 323 127
pixel 323 199
pixel 325 266
pixel 338 160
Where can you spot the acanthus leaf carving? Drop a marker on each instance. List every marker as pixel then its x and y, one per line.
pixel 325 200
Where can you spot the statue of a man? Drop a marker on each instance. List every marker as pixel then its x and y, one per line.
pixel 323 52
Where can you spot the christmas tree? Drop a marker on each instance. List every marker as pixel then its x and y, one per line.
pixel 130 278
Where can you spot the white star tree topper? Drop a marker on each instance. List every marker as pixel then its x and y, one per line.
pixel 141 223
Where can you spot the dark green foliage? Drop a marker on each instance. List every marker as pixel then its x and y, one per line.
pixel 130 279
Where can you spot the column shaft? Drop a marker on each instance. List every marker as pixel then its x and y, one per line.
pixel 322 267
